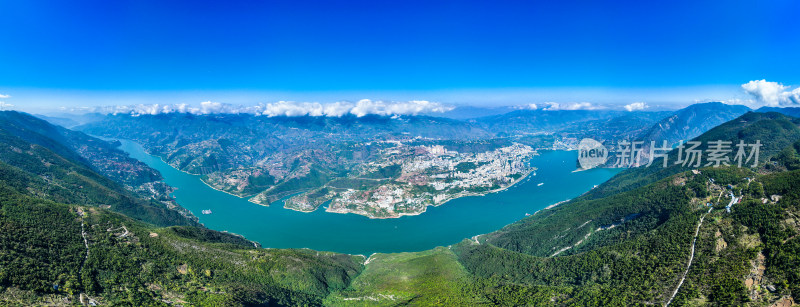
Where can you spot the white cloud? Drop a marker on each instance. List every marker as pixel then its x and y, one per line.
pixel 287 108
pixel 2 96
pixel 4 105
pixel 636 106
pixel 772 94
pixel 554 106
pixel 365 107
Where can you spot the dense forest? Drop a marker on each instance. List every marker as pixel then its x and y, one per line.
pixel 64 241
pixel 73 168
pixel 631 247
pixel 69 235
pixel 627 246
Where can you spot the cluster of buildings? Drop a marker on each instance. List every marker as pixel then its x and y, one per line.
pixel 432 175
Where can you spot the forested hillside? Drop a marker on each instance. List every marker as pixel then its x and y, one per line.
pixel 632 247
pixel 61 245
pixel 680 236
pixel 690 122
pixel 74 168
pixel 55 254
pixel 774 131
pixel 628 248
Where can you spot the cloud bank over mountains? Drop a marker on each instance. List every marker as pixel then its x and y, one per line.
pixel 636 106
pixel 555 106
pixel 4 105
pixel 772 94
pixel 754 94
pixel 360 108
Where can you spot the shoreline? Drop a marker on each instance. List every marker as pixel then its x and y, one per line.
pixel 366 255
pixel 206 183
pixel 182 171
pixel 552 206
pixel 456 196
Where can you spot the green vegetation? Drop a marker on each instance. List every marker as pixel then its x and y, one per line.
pixel 468 166
pixel 775 131
pixel 134 263
pixel 58 244
pixel 37 171
pixel 258 183
pixel 356 183
pixel 386 172
pixel 428 278
pixel 316 177
pixel 632 247
pixel 624 243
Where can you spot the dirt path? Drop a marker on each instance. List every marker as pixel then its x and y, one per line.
pixel 81 213
pixel 691 258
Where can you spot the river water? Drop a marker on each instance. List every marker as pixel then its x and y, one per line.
pixel 447 224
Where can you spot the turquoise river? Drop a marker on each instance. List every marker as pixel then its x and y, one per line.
pixel 276 227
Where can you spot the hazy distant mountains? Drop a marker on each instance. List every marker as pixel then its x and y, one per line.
pixel 471 112
pixel 598 124
pixel 692 121
pixel 532 121
pixel 71 234
pixel 672 126
pixel 69 120
pixel 267 156
pixel 622 243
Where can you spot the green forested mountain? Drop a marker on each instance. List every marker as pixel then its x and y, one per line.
pixel 37 159
pixel 59 245
pixel 55 254
pixel 690 122
pixel 94 153
pixel 629 247
pixel 774 130
pixel 791 111
pixel 623 244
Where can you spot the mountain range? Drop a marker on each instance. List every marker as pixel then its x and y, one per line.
pixel 267 158
pixel 626 242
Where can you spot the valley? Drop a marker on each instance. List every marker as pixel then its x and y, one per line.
pixel 599 247
pixel 382 167
pixel 399 153
pixel 356 234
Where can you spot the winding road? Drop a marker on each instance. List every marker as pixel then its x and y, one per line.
pixel 691 258
pixel 81 213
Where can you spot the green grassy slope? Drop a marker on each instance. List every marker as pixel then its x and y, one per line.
pixel 426 278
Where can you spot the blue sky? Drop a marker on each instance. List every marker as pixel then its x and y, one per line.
pixel 457 51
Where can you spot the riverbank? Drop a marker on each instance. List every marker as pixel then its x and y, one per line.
pixel 251 198
pixel 275 227
pixel 446 200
